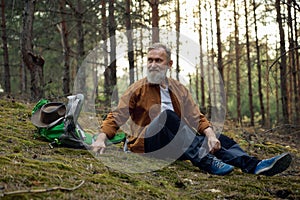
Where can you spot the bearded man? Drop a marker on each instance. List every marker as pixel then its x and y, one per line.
pixel 167 123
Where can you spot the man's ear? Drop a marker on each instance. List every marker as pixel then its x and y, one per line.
pixel 170 64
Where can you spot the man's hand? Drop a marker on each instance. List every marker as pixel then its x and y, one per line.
pixel 214 144
pixel 99 145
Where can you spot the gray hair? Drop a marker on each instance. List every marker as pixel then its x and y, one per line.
pixel 162 46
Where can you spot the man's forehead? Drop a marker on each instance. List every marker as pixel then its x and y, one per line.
pixel 157 52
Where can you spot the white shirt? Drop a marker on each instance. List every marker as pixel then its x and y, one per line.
pixel 166 102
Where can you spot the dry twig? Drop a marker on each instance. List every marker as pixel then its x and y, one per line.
pixel 41 190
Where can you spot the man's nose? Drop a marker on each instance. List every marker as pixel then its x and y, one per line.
pixel 153 64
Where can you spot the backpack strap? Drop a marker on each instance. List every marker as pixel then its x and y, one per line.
pixel 56 122
pixel 73 110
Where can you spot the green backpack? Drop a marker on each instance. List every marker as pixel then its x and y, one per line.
pixel 64 130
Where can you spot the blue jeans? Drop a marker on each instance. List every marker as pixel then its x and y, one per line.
pixel 169 136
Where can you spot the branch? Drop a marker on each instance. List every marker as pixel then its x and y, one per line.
pixel 282 126
pixel 295 48
pixel 41 190
pixel 296 5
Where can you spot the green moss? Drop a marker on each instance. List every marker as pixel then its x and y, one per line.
pixel 29 163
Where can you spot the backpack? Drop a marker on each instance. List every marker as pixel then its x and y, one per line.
pixel 65 130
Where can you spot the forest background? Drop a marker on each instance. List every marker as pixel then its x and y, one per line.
pixel 251 47
pixel 246 51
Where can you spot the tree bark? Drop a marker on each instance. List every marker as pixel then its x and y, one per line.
pixel 296 29
pixel 177 38
pixel 250 96
pixel 261 101
pixel 237 65
pixel 66 48
pixel 80 47
pixel 129 33
pixel 283 86
pixel 212 66
pixel 219 43
pixel 81 74
pixel 202 103
pixel 33 62
pixel 155 20
pixel 7 87
pixel 292 54
pixel 110 72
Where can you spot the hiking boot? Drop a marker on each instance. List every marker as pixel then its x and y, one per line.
pixel 275 165
pixel 215 166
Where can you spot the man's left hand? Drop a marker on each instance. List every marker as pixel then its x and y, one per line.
pixel 214 144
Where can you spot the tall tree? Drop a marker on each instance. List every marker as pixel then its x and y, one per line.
pixel 249 65
pixel 33 62
pixel 219 43
pixel 260 92
pixel 155 20
pixel 79 13
pixel 129 33
pixel 297 46
pixel 7 87
pixel 283 85
pixel 237 63
pixel 177 37
pixel 110 72
pixel 103 32
pixel 80 32
pixel 212 65
pixel 209 60
pixel 66 47
pixel 201 58
pixel 292 54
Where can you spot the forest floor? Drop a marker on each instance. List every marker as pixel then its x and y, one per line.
pixel 32 170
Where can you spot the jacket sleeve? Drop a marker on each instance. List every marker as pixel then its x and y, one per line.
pixel 193 114
pixel 119 116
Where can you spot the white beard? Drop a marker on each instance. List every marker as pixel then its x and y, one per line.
pixel 156 77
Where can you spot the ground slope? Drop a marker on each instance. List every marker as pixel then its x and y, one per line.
pixel 32 170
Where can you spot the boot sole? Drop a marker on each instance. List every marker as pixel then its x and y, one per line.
pixel 278 166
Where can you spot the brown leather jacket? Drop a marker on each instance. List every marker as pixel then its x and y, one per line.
pixel 140 104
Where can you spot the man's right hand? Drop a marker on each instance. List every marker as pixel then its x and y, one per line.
pixel 99 145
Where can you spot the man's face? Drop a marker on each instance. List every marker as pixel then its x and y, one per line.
pixel 157 65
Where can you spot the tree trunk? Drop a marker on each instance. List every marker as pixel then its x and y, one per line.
pixel 261 101
pixel 292 54
pixel 155 20
pixel 103 34
pixel 7 87
pixel 66 48
pixel 212 65
pixel 237 65
pixel 249 66
pixel 296 28
pixel 268 117
pixel 202 103
pixel 110 71
pixel 177 38
pixel 33 62
pixel 277 90
pixel 80 48
pixel 80 33
pixel 283 86
pixel 207 69
pixel 219 43
pixel 129 33
pixel 23 78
